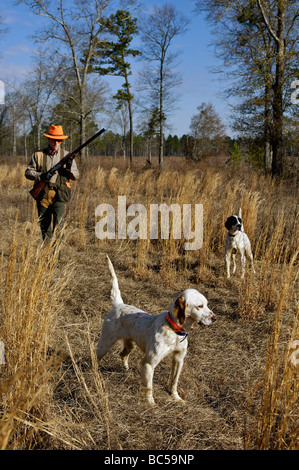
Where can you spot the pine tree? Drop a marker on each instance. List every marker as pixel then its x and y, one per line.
pixel 112 58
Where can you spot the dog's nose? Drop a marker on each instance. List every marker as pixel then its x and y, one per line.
pixel 213 317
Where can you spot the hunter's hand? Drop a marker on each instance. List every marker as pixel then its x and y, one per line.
pixel 69 162
pixel 45 176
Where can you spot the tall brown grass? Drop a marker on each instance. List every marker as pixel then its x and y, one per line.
pixel 30 305
pixel 271 418
pixel 34 298
pixel 271 221
pixel 266 211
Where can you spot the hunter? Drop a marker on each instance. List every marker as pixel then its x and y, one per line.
pixel 51 203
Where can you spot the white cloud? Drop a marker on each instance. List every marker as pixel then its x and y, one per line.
pixel 18 49
pixel 11 73
pixel 14 16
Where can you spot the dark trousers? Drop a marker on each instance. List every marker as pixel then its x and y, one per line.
pixel 50 218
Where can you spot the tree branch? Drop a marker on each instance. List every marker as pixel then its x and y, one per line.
pixel 267 24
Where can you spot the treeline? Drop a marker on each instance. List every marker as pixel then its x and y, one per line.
pixel 109 144
pixel 211 144
pixel 256 42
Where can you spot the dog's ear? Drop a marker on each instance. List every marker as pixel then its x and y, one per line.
pixel 179 309
pixel 228 223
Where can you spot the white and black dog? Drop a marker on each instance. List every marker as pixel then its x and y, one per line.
pixel 236 241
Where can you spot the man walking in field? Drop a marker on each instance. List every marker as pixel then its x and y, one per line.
pixel 57 191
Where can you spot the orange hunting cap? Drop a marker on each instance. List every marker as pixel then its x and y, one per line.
pixel 56 132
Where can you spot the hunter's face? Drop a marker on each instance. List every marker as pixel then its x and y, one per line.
pixel 54 144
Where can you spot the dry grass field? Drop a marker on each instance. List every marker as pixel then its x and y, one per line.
pixel 240 377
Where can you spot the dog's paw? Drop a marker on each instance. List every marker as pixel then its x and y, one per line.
pixel 176 397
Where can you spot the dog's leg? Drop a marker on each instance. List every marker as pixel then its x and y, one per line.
pixel 234 263
pixel 128 348
pixel 177 364
pixel 104 345
pixel 149 364
pixel 250 256
pixel 147 381
pixel 243 264
pixel 227 261
pixel 252 265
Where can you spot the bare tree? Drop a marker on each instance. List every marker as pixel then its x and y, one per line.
pixel 67 108
pixel 12 113
pixel 120 122
pixel 72 33
pixel 37 92
pixel 258 40
pixel 279 18
pixel 158 31
pixel 207 130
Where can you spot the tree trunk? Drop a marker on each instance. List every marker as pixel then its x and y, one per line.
pixel 277 127
pixel 131 137
pixel 149 151
pixel 82 121
pixel 38 131
pixel 25 142
pixel 267 132
pixel 277 141
pixel 14 133
pixel 131 130
pixel 161 150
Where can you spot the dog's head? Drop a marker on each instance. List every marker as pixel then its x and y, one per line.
pixel 234 224
pixel 192 304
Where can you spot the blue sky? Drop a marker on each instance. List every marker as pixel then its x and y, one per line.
pixel 199 83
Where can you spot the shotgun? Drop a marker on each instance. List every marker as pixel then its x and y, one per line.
pixel 39 185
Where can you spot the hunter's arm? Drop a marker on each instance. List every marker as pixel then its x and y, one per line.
pixel 32 172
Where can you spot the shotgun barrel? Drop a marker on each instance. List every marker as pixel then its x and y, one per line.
pixel 40 185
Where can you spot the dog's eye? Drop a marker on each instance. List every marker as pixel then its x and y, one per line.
pixel 199 306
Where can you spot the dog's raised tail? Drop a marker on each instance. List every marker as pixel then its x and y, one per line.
pixel 240 215
pixel 115 295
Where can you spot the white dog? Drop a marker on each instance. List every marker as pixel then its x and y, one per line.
pixel 236 241
pixel 156 335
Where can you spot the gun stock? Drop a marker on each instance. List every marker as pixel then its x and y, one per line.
pixel 37 189
pixel 40 185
